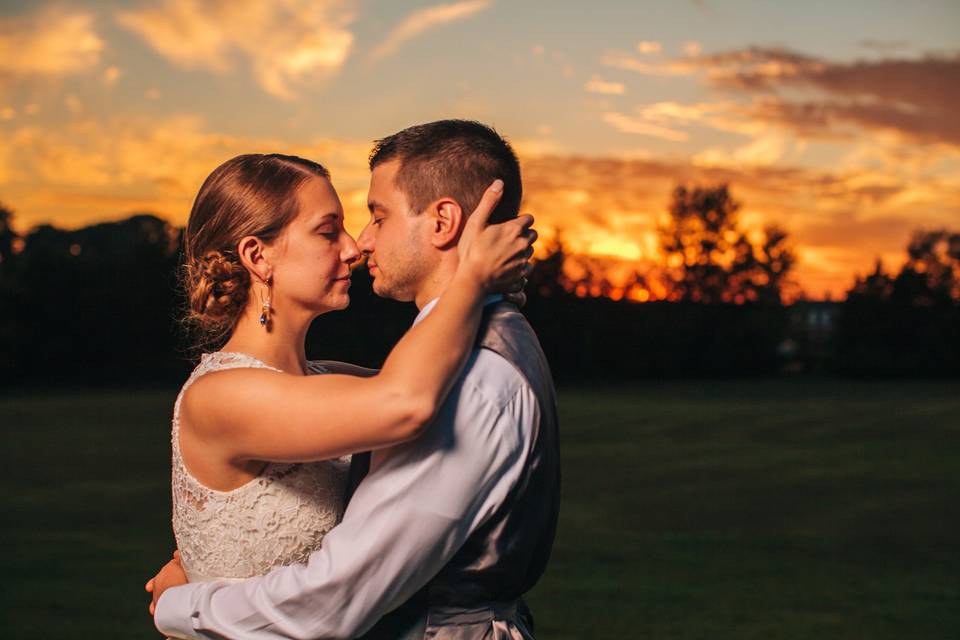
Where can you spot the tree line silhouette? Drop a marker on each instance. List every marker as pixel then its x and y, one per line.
pixel 100 305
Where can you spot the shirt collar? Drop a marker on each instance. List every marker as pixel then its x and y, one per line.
pixel 427 308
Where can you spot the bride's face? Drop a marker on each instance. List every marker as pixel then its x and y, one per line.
pixel 312 257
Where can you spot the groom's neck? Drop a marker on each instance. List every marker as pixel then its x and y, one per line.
pixel 436 282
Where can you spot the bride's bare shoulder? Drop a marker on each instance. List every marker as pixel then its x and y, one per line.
pixel 221 401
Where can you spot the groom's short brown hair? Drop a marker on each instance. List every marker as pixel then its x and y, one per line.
pixel 454 158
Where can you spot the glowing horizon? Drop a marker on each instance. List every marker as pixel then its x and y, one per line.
pixel 849 143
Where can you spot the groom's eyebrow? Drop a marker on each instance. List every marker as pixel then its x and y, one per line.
pixel 373 205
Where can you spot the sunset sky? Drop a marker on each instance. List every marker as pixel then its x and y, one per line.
pixel 837 121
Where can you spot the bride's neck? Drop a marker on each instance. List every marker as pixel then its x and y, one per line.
pixel 280 344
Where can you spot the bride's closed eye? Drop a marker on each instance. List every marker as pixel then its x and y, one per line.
pixel 328 231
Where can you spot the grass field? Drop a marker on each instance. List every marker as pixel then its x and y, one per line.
pixel 762 509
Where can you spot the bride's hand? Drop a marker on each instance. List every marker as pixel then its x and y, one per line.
pixel 497 255
pixel 171 575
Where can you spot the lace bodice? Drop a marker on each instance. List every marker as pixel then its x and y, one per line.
pixel 277 518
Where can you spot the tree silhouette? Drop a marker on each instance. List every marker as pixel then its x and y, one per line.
pixel 908 323
pixel 9 302
pixel 100 299
pixel 8 240
pixel 710 259
pixel 876 286
pixel 548 279
pixel 931 275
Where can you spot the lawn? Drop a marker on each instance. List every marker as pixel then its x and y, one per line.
pixel 756 509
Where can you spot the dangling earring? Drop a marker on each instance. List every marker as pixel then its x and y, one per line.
pixel 265 307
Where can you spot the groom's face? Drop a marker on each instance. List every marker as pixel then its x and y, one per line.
pixel 395 238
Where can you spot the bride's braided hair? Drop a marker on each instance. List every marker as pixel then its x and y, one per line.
pixel 249 195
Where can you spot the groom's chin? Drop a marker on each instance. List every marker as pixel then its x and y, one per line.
pixel 379 289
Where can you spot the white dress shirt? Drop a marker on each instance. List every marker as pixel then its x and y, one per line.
pixel 417 506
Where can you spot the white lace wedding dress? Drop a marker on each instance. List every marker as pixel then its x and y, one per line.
pixel 277 518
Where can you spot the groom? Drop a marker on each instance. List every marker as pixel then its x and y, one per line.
pixel 444 534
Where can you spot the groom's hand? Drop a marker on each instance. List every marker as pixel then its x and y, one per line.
pixel 171 575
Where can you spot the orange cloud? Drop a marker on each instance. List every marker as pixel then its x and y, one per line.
pixel 52 42
pixel 87 171
pixel 287 44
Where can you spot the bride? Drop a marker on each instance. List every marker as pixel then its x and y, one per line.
pixel 259 438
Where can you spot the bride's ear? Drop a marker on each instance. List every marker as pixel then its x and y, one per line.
pixel 251 252
pixel 446 224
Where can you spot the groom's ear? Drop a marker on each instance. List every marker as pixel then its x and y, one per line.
pixel 446 223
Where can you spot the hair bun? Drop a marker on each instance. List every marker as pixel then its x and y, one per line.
pixel 217 288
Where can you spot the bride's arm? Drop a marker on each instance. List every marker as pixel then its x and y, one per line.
pixel 254 414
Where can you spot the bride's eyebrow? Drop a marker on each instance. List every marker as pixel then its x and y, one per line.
pixel 329 217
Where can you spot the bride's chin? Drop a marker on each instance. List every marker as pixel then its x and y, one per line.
pixel 333 305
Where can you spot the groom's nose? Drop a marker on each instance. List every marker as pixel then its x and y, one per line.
pixel 365 240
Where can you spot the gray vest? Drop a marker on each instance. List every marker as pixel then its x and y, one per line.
pixel 504 558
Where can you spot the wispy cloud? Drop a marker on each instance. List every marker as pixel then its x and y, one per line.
pixel 111 75
pixel 642 126
pixel 51 42
pixel 422 20
pixel 627 62
pixel 287 44
pixel 692 48
pixel 884 46
pixel 671 120
pixel 596 84
pixel 649 46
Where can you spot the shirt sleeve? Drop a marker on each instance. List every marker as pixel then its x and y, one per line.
pixel 405 521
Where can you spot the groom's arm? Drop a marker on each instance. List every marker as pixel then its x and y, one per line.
pixel 406 520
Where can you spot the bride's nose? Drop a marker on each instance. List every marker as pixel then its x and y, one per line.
pixel 349 252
